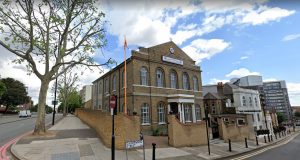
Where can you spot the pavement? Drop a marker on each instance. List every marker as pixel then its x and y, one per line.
pixel 72 139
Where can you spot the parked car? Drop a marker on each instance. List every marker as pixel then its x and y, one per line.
pixel 24 113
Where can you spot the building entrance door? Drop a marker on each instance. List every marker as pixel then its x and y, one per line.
pixel 215 127
pixel 174 108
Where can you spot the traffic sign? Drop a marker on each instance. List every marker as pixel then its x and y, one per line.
pixel 112 102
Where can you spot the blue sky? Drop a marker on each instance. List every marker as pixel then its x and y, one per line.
pixel 227 38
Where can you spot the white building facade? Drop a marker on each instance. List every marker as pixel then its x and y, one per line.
pixel 86 93
pixel 247 101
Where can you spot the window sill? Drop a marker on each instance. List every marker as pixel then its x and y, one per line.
pixel 162 123
pixel 145 124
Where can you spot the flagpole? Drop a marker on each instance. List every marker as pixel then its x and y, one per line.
pixel 125 78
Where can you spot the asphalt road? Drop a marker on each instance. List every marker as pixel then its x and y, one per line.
pixel 9 131
pixel 289 151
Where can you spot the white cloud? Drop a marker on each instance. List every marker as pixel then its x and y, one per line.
pixel 241 73
pixel 290 37
pixel 155 22
pixel 215 81
pixel 267 15
pixel 244 57
pixel 204 49
pixel 294 93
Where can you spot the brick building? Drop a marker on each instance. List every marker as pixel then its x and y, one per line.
pixel 160 80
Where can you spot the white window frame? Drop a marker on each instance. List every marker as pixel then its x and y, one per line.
pixel 237 121
pixel 244 101
pixel 145 115
pixel 195 83
pixel 198 112
pixel 185 81
pixel 187 113
pixel 159 80
pixel 144 76
pixel 114 82
pixel 161 114
pixel 173 80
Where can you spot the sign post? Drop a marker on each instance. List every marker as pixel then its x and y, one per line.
pixel 206 119
pixel 113 103
pixel 136 144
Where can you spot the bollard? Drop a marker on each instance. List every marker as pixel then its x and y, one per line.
pixel 256 140
pixel 153 151
pixel 246 144
pixel 276 136
pixel 229 142
pixel 269 138
pixel 272 138
pixel 279 134
pixel 282 134
pixel 265 138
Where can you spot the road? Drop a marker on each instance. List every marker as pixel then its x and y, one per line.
pixel 9 131
pixel 289 151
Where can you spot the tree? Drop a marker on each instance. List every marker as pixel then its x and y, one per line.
pixel 280 117
pixel 66 86
pixel 51 34
pixel 35 108
pixel 297 114
pixel 74 101
pixel 2 89
pixel 15 94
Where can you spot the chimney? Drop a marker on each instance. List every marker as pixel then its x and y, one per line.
pixel 220 88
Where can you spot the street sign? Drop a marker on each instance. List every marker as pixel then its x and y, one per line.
pixel 134 144
pixel 112 102
pixel 54 102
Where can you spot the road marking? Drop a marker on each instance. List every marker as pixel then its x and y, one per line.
pixel 265 149
pixel 3 150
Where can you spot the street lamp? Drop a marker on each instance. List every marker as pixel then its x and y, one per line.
pixel 262 98
pixel 54 102
pixel 206 120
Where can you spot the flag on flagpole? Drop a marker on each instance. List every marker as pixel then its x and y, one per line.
pixel 125 77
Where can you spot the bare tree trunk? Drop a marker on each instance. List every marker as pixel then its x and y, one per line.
pixel 40 121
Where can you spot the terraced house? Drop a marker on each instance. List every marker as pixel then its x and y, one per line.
pixel 161 80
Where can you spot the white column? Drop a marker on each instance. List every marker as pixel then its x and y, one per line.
pixel 179 110
pixel 169 108
pixel 183 118
pixel 194 113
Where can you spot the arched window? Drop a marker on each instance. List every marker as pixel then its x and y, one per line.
pixel 159 78
pixel 195 83
pixel 114 82
pixel 198 112
pixel 244 101
pixel 250 101
pixel 144 76
pixel 173 79
pixel 145 116
pixel 106 87
pixel 256 103
pixel 161 113
pixel 187 112
pixel 185 81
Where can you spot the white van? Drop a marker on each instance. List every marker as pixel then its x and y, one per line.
pixel 24 113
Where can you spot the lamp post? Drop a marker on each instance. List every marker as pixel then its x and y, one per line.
pixel 54 102
pixel 264 109
pixel 206 119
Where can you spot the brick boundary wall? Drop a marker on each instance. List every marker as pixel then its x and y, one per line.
pixel 126 127
pixel 183 135
pixel 234 132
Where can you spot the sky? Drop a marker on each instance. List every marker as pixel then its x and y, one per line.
pixel 228 39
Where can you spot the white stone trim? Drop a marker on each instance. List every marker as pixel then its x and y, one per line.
pixel 181 100
pixel 138 85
